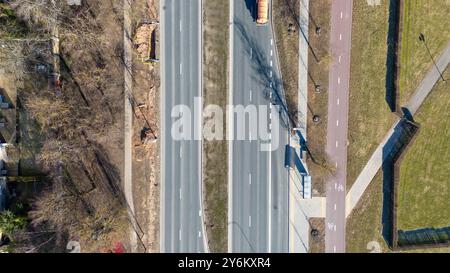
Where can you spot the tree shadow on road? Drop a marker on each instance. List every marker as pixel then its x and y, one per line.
pixel 247 240
pixel 265 75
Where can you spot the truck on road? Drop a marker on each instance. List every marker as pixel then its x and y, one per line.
pixel 262 12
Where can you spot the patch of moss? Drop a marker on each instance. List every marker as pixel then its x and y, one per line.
pixel 11 27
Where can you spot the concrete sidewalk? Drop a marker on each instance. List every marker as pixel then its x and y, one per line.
pixel 128 123
pixel 300 211
pixel 303 49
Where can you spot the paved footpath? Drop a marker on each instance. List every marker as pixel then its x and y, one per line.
pixel 303 50
pixel 128 121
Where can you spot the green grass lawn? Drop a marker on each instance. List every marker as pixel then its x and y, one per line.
pixel 424 191
pixel 364 224
pixel 432 19
pixel 369 115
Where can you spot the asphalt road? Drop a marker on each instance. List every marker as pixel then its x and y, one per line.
pixel 258 185
pixel 339 78
pixel 181 217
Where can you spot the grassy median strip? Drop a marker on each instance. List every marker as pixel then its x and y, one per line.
pixel 369 115
pixel 215 153
pixel 431 19
pixel 424 173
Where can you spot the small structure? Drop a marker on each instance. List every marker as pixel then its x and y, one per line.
pixel 3 103
pixel 74 2
pixel 295 161
pixel 307 187
pixel 373 2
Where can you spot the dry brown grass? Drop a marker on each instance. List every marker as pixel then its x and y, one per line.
pixel 317 244
pixel 318 102
pixel 364 223
pixel 285 13
pixel 215 153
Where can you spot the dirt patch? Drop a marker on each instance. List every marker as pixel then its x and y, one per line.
pixel 317 235
pixel 146 150
pixel 142 40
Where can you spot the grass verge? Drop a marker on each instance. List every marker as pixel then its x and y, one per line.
pixel 364 224
pixel 318 66
pixel 430 19
pixel 285 17
pixel 369 116
pixel 287 29
pixel 424 188
pixel 215 153
pixel 317 243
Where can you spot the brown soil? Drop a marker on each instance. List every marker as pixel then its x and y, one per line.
pixel 146 179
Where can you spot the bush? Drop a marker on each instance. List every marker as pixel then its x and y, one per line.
pixel 10 222
pixel 11 27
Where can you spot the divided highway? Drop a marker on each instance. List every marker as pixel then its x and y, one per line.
pixel 181 213
pixel 258 180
